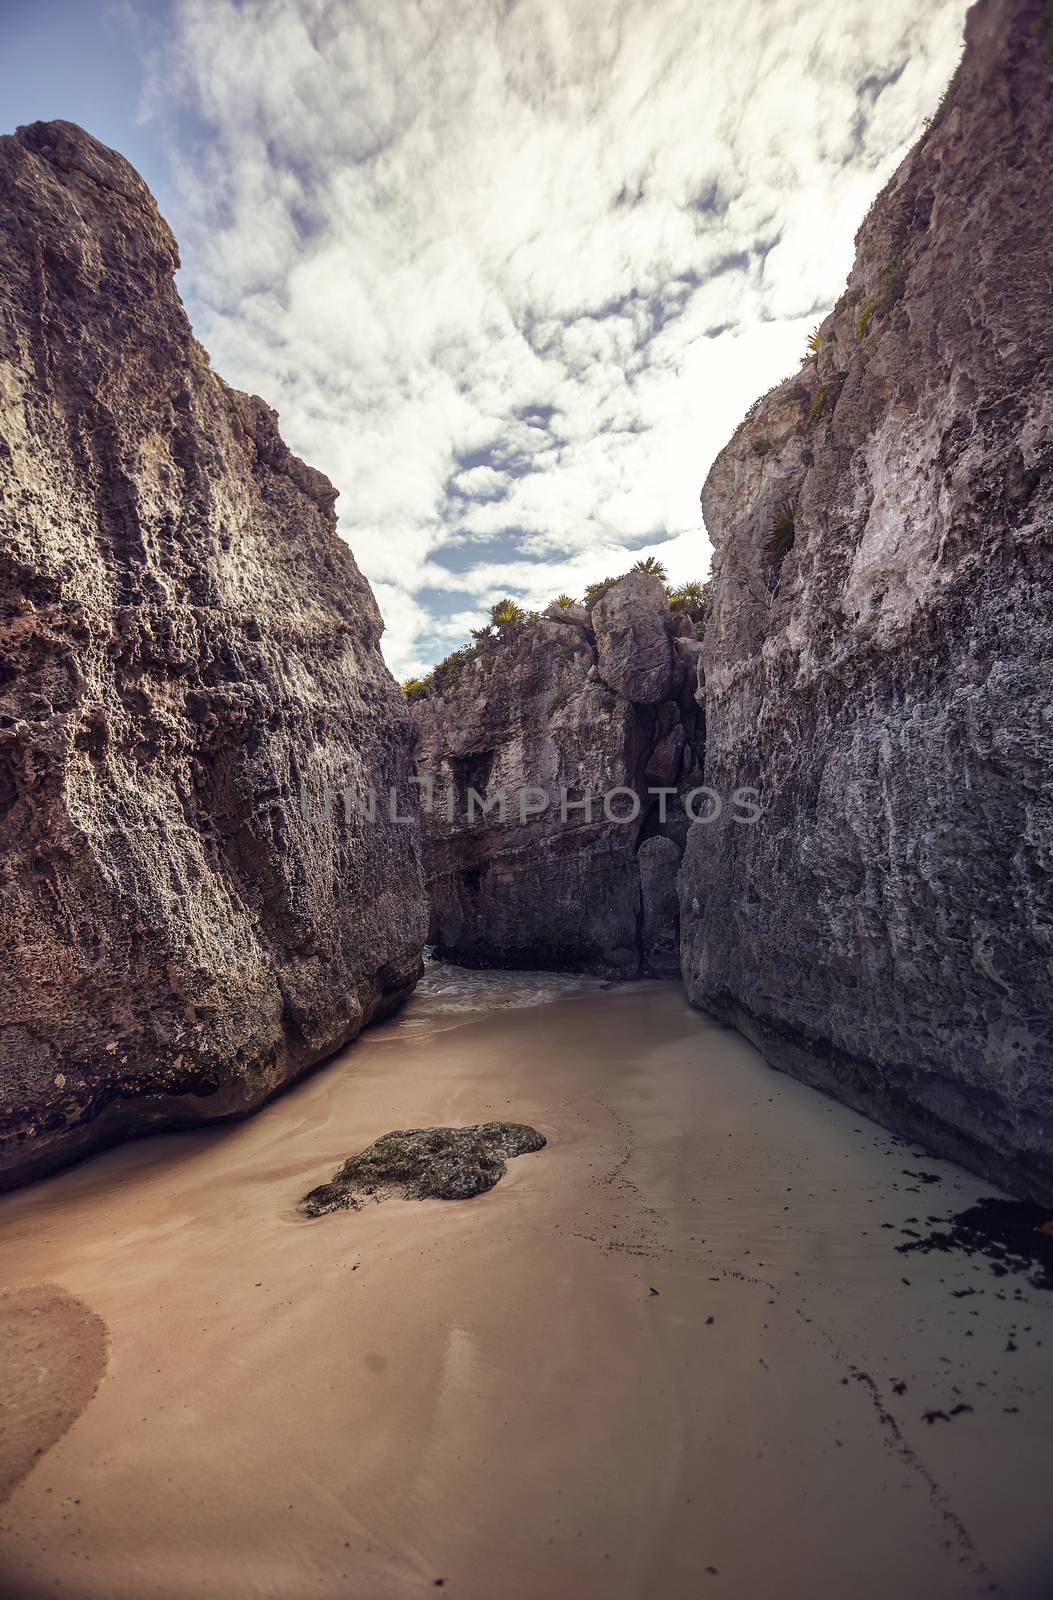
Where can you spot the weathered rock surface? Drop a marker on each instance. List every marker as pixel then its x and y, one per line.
pixel 886 929
pixel 659 861
pixel 425 1164
pixel 551 885
pixel 634 656
pixel 186 647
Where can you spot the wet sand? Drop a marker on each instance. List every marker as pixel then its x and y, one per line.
pixel 675 1353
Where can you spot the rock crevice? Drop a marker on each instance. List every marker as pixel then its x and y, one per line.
pixel 578 704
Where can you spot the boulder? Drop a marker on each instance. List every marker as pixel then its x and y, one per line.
pixel 633 648
pixel 425 1164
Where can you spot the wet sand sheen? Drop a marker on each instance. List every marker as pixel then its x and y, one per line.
pixel 670 1354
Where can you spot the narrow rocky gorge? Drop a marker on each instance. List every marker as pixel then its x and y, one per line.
pixel 189 652
pixel 876 665
pixel 879 654
pixel 588 724
pixel 192 673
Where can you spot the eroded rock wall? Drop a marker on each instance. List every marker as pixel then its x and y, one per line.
pixel 186 648
pixel 577 704
pixel 886 930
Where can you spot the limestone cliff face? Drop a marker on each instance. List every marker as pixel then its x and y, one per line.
pixel 186 647
pixel 577 704
pixel 879 659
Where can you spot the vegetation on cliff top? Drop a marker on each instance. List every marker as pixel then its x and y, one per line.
pixel 508 621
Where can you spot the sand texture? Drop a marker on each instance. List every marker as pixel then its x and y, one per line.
pixel 52 1355
pixel 678 1352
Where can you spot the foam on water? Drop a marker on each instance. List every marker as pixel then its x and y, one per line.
pixel 445 987
pixel 447 994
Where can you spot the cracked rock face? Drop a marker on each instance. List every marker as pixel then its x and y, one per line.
pixel 536 717
pixel 634 655
pixel 188 652
pixel 659 862
pixel 425 1164
pixel 886 930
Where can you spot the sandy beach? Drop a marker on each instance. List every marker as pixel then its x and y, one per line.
pixel 675 1353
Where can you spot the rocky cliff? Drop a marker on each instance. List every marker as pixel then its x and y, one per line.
pixel 188 649
pixel 879 658
pixel 576 706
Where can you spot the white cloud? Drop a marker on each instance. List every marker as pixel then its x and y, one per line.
pixel 512 273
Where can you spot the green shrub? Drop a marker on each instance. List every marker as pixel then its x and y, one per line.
pixel 948 94
pixel 780 539
pixel 564 601
pixel 558 701
pixel 688 600
pixel 508 621
pixel 418 688
pixel 815 415
pixel 448 673
pixel 754 407
pixel 594 592
pixel 850 297
pixel 825 399
pixel 815 339
pixel 761 446
pixel 892 286
pixel 507 617
pixel 864 319
pixel 652 566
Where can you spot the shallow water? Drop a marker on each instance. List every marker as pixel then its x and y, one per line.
pixel 676 1352
pixel 447 993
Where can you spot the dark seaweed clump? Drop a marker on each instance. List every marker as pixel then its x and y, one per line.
pixel 1011 1234
pixel 425 1164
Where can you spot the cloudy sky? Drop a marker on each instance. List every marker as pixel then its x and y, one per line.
pixel 510 270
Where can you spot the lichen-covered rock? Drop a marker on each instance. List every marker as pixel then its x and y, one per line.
pixel 547 884
pixel 187 650
pixel 633 632
pixel 879 655
pixel 425 1164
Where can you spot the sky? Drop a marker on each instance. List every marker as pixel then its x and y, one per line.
pixel 510 271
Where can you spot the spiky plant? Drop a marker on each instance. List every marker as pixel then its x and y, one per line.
pixel 688 600
pixel 652 566
pixel 780 539
pixel 595 592
pixel 506 616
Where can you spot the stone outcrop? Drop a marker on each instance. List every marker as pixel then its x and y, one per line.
pixel 879 657
pixel 425 1164
pixel 634 656
pixel 187 649
pixel 577 704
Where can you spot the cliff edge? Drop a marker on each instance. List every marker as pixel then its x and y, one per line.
pixel 557 762
pixel 187 650
pixel 879 654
